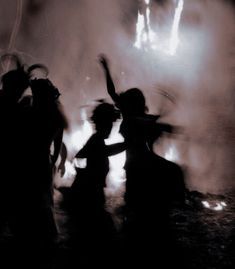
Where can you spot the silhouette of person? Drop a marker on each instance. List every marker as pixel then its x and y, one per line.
pixel 14 84
pixel 45 131
pixel 148 183
pixel 94 224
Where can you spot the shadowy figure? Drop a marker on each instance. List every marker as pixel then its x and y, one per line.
pixel 92 223
pixel 43 138
pixel 150 179
pixel 14 84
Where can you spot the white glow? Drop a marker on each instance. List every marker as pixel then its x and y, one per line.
pixel 171 154
pixel 146 38
pixel 139 31
pixel 174 40
pixel 206 204
pixel 219 206
pixel 116 173
pixel 223 204
pixel 69 169
pixel 81 135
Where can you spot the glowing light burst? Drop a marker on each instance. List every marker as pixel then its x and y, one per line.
pixel 116 163
pixel 146 38
pixel 218 206
pixel 171 154
pixel 116 174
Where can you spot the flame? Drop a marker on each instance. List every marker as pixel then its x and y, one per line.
pixel 116 175
pixel 146 38
pixel 219 206
pixel 174 40
pixel 116 163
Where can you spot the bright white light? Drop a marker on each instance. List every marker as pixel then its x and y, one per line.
pixel 116 173
pixel 223 204
pixel 174 40
pixel 171 154
pixel 81 135
pixel 139 31
pixel 206 204
pixel 218 207
pixel 146 38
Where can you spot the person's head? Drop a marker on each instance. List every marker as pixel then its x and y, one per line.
pixel 132 102
pixel 14 83
pixel 44 92
pixel 103 117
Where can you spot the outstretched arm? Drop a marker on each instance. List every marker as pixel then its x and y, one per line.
pixel 115 148
pixel 109 81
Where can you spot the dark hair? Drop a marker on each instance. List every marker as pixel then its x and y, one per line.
pixel 43 88
pixel 133 101
pixel 105 113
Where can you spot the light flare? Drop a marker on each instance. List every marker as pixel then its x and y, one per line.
pixel 116 175
pixel 217 206
pixel 146 38
pixel 174 40
pixel 171 154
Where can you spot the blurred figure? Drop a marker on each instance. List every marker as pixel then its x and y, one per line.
pixel 150 179
pixel 94 225
pixel 44 134
pixel 14 84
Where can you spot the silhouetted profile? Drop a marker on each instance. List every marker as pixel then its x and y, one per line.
pixel 93 223
pixel 149 178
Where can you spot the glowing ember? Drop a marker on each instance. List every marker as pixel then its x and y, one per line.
pixel 217 206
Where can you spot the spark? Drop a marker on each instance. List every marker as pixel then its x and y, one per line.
pixel 174 40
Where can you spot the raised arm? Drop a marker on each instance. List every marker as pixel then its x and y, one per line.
pixel 109 81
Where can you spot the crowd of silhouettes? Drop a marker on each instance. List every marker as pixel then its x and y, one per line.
pixel 32 124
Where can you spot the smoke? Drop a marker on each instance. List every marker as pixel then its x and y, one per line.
pixel 68 36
